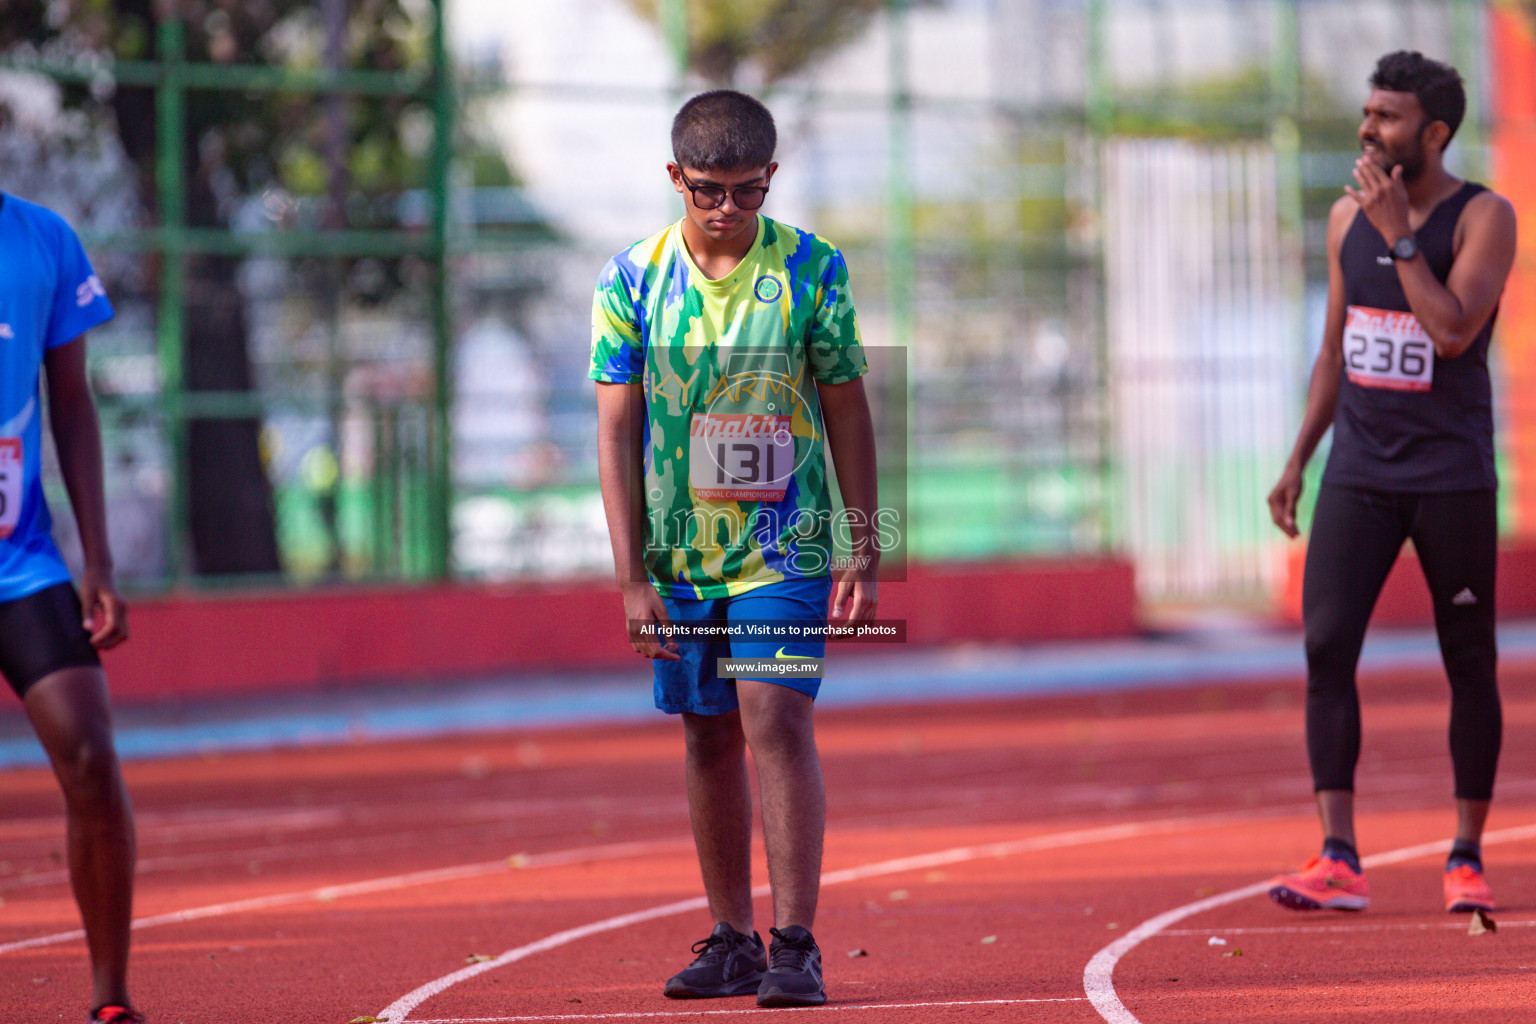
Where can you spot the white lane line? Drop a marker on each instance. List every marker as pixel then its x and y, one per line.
pixel 1422 926
pixel 718 1013
pixel 171 827
pixel 401 1008
pixel 1098 976
pixel 389 883
pixel 282 899
pixel 336 849
pixel 579 855
pixel 479 825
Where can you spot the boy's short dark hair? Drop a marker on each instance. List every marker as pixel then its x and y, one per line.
pixel 1437 86
pixel 722 130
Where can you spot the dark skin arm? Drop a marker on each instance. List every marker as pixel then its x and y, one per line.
pixel 1323 391
pixel 1452 313
pixel 851 441
pixel 77 436
pixel 620 437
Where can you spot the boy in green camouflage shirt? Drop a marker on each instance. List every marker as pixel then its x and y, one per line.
pixel 727 355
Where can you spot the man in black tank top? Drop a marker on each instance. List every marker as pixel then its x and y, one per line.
pixel 1417 260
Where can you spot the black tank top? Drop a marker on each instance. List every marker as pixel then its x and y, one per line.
pixel 1408 420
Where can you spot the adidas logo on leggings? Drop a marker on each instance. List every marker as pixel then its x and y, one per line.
pixel 1465 597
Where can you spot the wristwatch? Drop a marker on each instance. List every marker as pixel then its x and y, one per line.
pixel 1405 248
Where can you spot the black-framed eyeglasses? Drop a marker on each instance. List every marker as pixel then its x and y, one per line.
pixel 709 197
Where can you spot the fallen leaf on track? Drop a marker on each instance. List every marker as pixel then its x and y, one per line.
pixel 1216 941
pixel 854 954
pixel 1482 924
pixel 365 1019
pixel 989 940
pixel 1233 952
pixel 518 860
pixel 899 894
pixel 478 958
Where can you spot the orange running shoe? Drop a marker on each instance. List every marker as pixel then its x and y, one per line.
pixel 1324 884
pixel 1465 890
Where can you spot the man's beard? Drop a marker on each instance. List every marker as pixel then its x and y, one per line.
pixel 1411 163
pixel 1411 159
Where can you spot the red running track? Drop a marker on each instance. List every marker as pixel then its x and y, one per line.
pixel 328 884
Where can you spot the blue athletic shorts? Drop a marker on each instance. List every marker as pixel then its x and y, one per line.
pixel 692 685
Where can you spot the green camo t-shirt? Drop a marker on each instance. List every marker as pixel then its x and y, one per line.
pixel 735 467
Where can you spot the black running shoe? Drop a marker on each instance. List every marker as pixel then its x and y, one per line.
pixel 794 970
pixel 728 964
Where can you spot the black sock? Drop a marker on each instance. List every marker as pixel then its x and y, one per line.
pixel 1465 851
pixel 1337 849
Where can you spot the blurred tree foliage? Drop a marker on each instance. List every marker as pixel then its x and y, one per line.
pixel 775 37
pixel 302 161
pixel 261 139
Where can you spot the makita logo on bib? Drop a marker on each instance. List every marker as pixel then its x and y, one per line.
pixel 740 425
pixel 1384 321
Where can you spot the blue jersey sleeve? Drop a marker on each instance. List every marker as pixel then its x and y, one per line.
pixel 618 343
pixel 79 300
pixel 835 345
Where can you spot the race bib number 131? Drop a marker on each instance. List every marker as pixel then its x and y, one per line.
pixel 1386 348
pixel 10 484
pixel 740 456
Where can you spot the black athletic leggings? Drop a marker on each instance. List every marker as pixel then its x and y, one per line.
pixel 1356 537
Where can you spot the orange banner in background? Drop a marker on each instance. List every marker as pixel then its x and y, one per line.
pixel 1512 43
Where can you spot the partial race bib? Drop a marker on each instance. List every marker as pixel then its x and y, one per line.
pixel 1385 348
pixel 740 456
pixel 11 463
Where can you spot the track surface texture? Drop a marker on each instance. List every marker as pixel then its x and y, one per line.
pixel 325 884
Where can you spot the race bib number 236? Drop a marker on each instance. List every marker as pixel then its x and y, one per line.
pixel 1386 348
pixel 11 463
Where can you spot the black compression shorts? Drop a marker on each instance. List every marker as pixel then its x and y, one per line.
pixel 42 633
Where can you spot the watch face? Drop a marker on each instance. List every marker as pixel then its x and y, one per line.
pixel 1405 249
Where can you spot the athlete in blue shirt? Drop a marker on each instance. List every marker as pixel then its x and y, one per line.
pixel 49 635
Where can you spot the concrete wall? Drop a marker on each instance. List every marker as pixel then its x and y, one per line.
pixel 1405 597
pixel 266 642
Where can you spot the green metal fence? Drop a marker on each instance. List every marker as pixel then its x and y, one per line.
pixel 973 223
pixel 386 517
